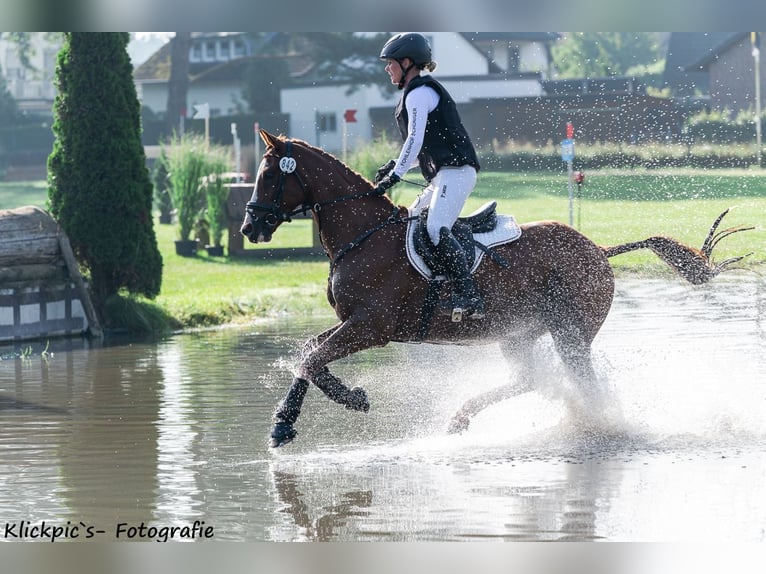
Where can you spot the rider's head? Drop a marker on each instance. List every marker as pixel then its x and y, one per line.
pixel 409 51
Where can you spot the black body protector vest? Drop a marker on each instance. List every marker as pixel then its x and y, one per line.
pixel 446 142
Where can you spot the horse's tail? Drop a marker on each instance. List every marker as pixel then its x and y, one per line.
pixel 694 265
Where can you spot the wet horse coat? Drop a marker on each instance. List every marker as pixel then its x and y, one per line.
pixel 556 280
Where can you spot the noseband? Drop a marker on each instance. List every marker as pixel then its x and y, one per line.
pixel 274 215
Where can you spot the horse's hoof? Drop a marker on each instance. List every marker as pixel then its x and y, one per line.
pixel 282 433
pixel 357 400
pixel 458 424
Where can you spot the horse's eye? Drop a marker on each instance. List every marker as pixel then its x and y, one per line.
pixel 268 175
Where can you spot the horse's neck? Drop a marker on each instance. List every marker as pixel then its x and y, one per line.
pixel 349 220
pixel 347 213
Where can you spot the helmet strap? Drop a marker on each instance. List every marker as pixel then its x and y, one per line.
pixel 405 71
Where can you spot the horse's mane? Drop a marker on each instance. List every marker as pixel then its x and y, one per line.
pixel 326 155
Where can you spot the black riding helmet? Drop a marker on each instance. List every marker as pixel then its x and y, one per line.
pixel 410 45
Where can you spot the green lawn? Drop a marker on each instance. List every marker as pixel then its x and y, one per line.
pixel 614 207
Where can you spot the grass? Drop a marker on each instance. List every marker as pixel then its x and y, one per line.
pixel 613 207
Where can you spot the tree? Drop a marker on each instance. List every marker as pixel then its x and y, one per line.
pixel 178 84
pixel 8 108
pixel 351 57
pixel 340 56
pixel 600 54
pixel 23 43
pixel 99 188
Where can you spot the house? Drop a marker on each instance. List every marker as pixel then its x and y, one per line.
pixel 686 81
pixel 32 87
pixel 730 65
pixel 471 65
pixel 215 73
pixel 218 64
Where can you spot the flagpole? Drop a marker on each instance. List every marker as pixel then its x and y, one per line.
pixel 755 39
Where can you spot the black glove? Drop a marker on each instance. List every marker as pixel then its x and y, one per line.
pixel 387 183
pixel 383 171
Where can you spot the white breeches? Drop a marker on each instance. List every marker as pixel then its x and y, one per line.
pixel 445 197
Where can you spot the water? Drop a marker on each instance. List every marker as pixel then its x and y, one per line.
pixel 172 432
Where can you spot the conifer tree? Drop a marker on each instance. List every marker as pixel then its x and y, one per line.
pixel 99 188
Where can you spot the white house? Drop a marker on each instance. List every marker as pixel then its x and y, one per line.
pixel 470 65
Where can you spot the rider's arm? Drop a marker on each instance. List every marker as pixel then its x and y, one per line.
pixel 420 102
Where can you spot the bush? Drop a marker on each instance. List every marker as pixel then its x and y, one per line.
pixel 717 127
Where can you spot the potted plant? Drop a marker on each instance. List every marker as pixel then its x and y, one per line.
pixel 216 194
pixel 187 166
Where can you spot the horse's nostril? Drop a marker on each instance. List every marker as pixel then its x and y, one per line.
pixel 246 229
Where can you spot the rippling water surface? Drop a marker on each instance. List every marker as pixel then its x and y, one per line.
pixel 170 432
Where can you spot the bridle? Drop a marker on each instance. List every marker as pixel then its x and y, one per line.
pixel 275 215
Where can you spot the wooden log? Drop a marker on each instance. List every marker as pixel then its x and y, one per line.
pixel 28 235
pixel 37 273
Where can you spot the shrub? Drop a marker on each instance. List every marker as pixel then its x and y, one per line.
pixel 216 193
pixel 187 163
pixel 99 188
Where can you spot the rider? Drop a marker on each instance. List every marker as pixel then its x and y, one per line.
pixel 435 139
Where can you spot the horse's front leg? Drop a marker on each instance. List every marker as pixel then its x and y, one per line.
pixel 340 341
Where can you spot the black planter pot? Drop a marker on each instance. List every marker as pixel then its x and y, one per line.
pixel 214 250
pixel 165 218
pixel 186 247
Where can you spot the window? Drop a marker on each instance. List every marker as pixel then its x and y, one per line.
pixel 209 50
pixel 239 49
pixel 514 58
pixel 223 50
pixel 326 121
pixel 196 53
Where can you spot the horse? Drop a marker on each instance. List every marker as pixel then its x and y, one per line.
pixel 552 280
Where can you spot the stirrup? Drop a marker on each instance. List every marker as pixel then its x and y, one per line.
pixel 472 311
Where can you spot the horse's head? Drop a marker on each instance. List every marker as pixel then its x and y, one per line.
pixel 278 193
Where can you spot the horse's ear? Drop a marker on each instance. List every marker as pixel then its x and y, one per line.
pixel 268 139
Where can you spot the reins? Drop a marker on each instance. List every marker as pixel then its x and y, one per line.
pixel 367 234
pixel 287 165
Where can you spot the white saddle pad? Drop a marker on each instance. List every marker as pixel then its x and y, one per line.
pixel 507 230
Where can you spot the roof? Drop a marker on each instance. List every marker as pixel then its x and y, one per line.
pixel 157 67
pixel 733 38
pixel 685 50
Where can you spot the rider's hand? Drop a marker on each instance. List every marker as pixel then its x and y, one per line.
pixel 387 183
pixel 383 171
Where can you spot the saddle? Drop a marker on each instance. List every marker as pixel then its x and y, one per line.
pixel 483 220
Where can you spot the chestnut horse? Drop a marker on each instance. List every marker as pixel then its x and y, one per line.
pixel 551 280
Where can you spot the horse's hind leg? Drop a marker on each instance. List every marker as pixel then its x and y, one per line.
pixel 519 355
pixel 574 348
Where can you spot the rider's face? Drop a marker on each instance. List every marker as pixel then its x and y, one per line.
pixel 395 70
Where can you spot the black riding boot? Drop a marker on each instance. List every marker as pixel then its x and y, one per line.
pixel 466 301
